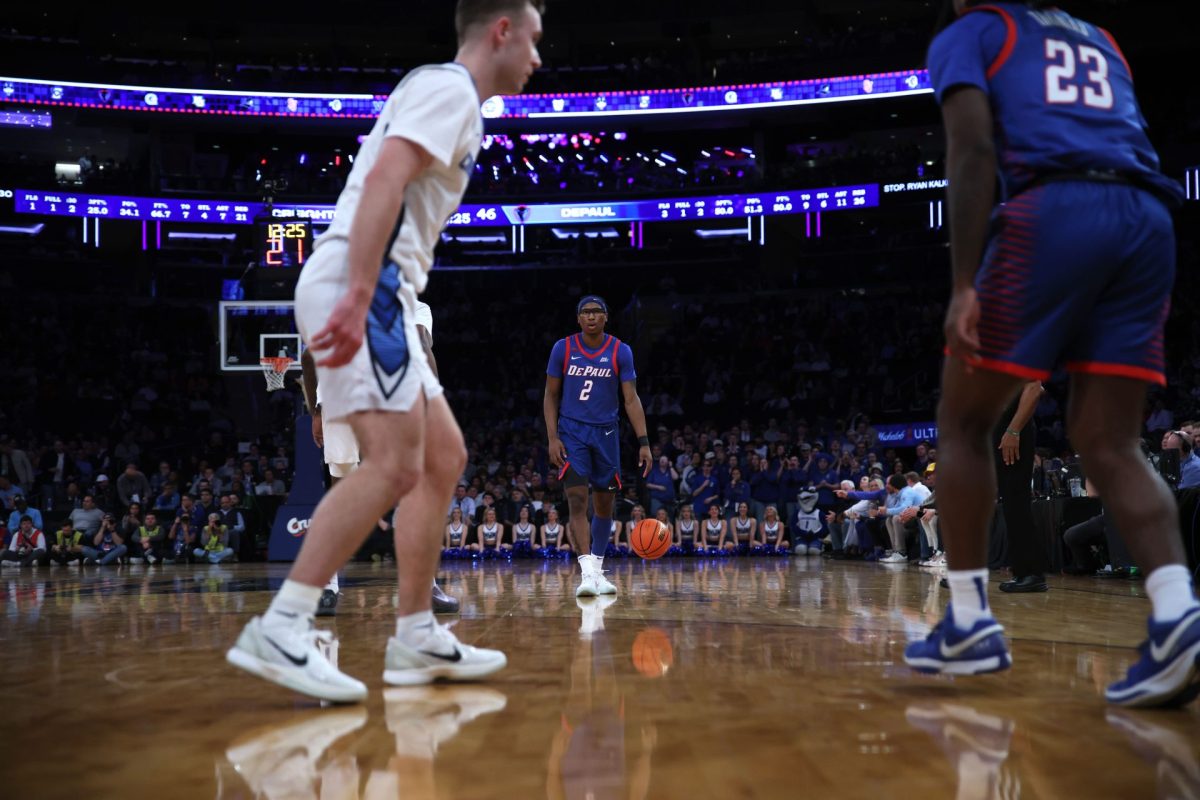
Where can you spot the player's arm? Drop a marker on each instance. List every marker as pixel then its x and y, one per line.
pixel 551 401
pixel 399 162
pixel 308 384
pixel 1010 442
pixel 427 345
pixel 971 171
pixel 637 417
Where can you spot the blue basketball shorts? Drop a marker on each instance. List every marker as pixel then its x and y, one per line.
pixel 593 452
pixel 1077 274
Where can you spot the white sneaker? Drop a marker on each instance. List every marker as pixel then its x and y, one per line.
pixel 592 582
pixel 438 655
pixel 894 558
pixel 292 657
pixel 281 760
pixel 587 586
pixel 424 717
pixel 153 559
pixel 814 550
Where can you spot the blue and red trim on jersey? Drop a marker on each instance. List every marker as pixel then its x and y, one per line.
pixel 1010 37
pixel 583 350
pixel 1117 48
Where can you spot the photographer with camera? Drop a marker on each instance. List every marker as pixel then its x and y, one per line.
pixel 216 542
pixel 148 540
pixel 28 546
pixel 109 545
pixel 181 540
pixel 1189 463
pixel 68 545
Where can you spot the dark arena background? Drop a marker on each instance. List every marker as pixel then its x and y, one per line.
pixel 758 191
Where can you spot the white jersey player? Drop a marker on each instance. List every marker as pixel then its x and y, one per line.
pixel 340 449
pixel 361 282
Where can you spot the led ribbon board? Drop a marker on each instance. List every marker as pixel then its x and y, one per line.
pixel 163 209
pixel 29 91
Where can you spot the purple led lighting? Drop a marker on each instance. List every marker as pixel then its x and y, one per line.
pixel 688 100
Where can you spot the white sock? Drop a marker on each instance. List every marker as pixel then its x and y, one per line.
pixel 598 561
pixel 968 596
pixel 333 584
pixel 406 626
pixel 585 563
pixel 295 601
pixel 1171 592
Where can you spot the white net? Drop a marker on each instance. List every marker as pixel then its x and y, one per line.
pixel 275 370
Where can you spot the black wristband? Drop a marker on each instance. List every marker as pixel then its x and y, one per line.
pixel 643 441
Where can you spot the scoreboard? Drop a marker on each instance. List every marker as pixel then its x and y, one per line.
pixel 282 244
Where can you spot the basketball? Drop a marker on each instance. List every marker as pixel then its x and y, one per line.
pixel 651 539
pixel 652 652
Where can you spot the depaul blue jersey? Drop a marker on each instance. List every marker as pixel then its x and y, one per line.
pixel 1060 89
pixel 591 379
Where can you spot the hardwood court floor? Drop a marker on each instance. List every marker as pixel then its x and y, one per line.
pixel 711 679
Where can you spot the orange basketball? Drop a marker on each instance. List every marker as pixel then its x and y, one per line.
pixel 652 652
pixel 651 539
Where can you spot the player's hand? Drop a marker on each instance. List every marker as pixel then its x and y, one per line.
pixel 962 326
pixel 645 460
pixel 558 453
pixel 343 335
pixel 841 493
pixel 318 430
pixel 1010 448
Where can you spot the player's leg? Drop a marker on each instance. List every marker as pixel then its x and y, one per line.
pixel 969 641
pixel 601 533
pixel 422 650
pixel 603 456
pixel 335 434
pixel 1104 421
pixel 577 502
pixel 282 646
pixel 1119 348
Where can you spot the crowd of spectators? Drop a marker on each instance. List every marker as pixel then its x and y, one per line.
pixel 146 393
pixel 129 446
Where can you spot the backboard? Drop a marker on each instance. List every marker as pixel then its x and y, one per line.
pixel 253 329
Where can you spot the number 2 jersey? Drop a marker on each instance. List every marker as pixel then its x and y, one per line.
pixel 1060 90
pixel 592 379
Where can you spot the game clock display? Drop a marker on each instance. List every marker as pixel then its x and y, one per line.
pixel 283 244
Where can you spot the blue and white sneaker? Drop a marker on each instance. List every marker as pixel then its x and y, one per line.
pixel 1168 673
pixel 949 651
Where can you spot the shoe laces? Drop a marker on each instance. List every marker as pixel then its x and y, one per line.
pixel 439 634
pixel 314 636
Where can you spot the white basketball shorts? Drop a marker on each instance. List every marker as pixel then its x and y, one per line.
pixel 389 372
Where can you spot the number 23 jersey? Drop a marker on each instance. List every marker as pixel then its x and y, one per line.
pixel 1060 89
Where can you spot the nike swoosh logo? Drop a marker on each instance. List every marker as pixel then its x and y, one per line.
pixel 1160 653
pixel 609 433
pixel 574 358
pixel 453 659
pixel 970 641
pixel 299 662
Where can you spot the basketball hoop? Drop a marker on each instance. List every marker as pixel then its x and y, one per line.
pixel 275 369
